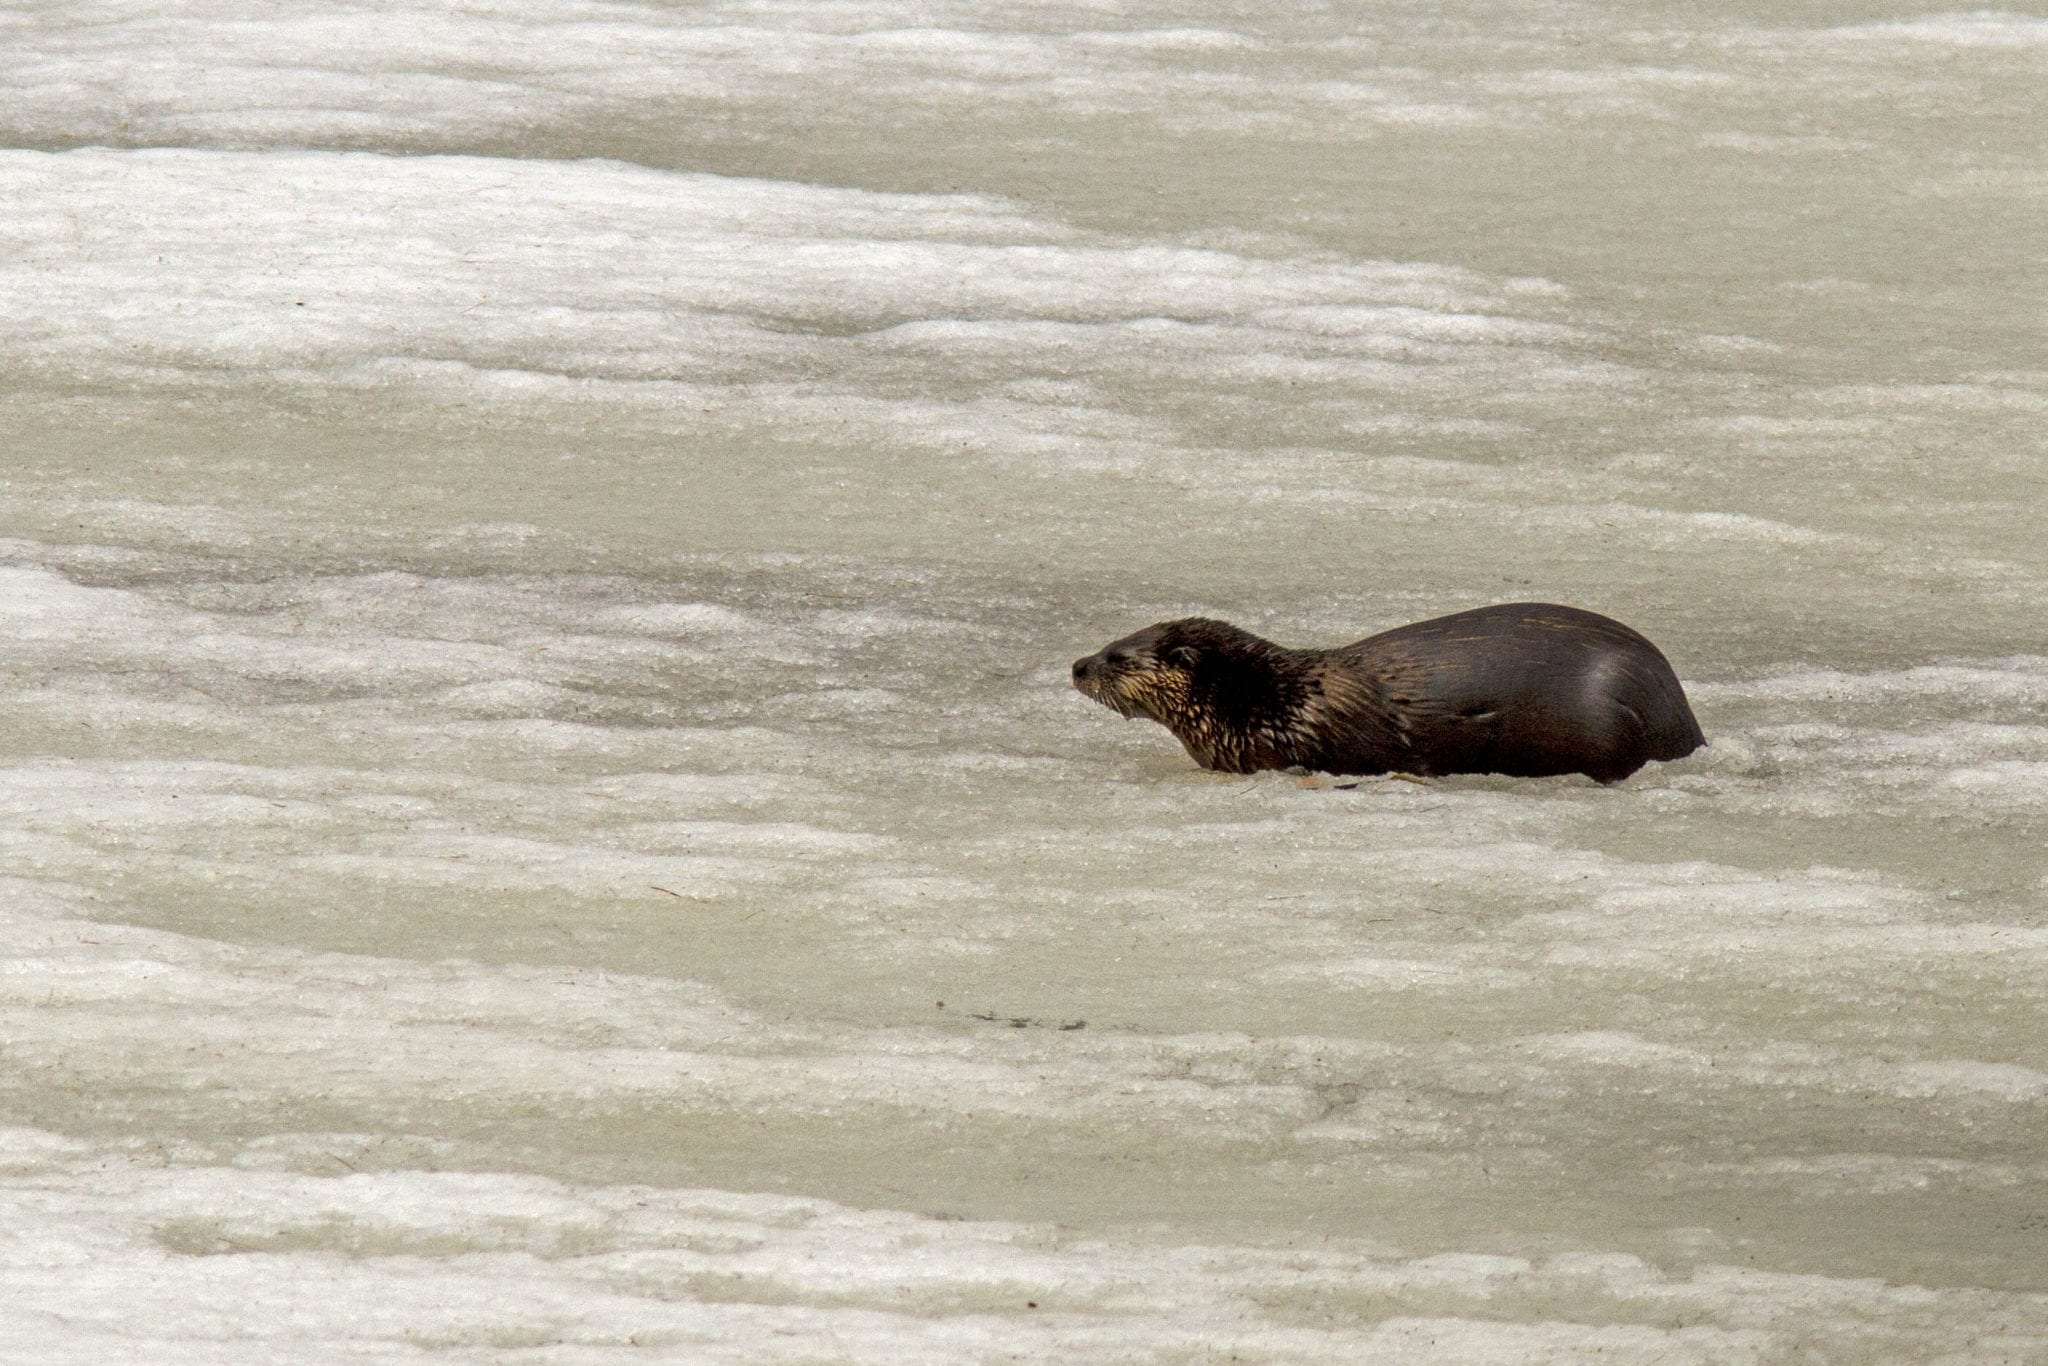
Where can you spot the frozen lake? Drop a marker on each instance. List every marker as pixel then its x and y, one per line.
pixel 541 815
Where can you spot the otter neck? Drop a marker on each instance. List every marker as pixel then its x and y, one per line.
pixel 1243 708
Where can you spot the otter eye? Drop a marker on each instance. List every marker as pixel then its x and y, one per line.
pixel 1118 657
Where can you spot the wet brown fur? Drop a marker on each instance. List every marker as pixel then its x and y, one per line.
pixel 1528 689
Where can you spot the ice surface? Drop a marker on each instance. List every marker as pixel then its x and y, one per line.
pixel 541 814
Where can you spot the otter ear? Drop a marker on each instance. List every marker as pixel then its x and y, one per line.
pixel 1186 656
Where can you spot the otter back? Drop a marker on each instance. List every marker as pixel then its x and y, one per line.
pixel 1527 689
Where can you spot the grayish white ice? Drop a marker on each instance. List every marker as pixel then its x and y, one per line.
pixel 541 818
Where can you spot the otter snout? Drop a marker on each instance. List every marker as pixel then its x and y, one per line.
pixel 1084 668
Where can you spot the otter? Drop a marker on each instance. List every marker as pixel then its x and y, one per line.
pixel 1528 689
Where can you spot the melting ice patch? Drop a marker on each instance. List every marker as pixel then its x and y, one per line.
pixel 347 75
pixel 597 272
pixel 1974 29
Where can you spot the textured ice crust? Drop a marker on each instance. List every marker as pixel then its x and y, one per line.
pixel 285 1251
pixel 944 360
pixel 603 860
pixel 431 75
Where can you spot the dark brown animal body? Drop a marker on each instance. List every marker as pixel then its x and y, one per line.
pixel 1527 688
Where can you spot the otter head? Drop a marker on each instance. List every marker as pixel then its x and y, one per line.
pixel 1147 673
pixel 1203 680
